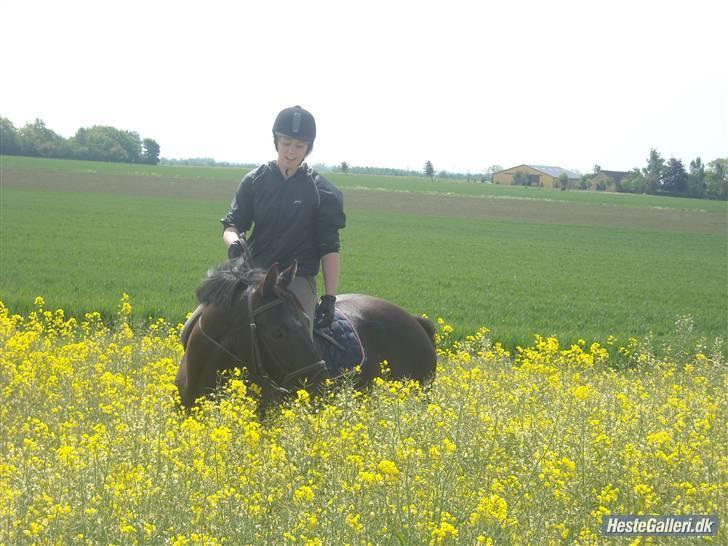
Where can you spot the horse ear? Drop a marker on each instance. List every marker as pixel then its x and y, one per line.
pixel 286 277
pixel 266 287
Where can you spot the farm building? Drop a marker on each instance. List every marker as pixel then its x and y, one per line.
pixel 533 175
pixel 607 180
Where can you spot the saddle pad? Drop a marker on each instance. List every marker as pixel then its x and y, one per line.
pixel 348 353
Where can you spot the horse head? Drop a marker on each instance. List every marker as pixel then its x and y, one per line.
pixel 249 318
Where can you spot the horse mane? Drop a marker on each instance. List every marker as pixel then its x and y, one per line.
pixel 225 282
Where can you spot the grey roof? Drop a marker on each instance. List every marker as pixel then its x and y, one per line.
pixel 554 171
pixel 617 176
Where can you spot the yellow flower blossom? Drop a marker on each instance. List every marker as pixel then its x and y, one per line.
pixel 304 494
pixel 388 468
pixel 94 442
pixel 303 396
pixel 444 532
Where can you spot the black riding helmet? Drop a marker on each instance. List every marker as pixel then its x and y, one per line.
pixel 295 122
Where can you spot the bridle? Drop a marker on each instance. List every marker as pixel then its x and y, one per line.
pixel 318 368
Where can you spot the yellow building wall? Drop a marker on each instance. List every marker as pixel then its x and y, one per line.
pixel 506 177
pixel 601 177
pixel 549 181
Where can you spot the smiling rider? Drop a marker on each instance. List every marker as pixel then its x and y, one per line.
pixel 295 213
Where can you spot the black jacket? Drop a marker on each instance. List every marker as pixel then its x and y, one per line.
pixel 298 218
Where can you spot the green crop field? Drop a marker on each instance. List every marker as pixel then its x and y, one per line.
pixel 98 174
pixel 520 261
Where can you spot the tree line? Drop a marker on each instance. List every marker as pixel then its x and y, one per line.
pixel 204 162
pixel 345 168
pixel 661 177
pixel 97 143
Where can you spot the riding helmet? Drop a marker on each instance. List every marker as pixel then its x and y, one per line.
pixel 295 122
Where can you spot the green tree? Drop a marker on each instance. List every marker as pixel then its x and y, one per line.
pixel 102 146
pixel 635 182
pixel 9 143
pixel 653 171
pixel 696 178
pixel 150 153
pixel 79 149
pixel 490 171
pixel 716 178
pixel 110 144
pixel 674 177
pixel 597 168
pixel 344 167
pixel 563 181
pixel 36 139
pixel 429 169
pixel 132 144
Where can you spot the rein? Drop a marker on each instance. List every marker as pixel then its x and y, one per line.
pixel 255 354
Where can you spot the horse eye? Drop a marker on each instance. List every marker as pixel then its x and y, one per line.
pixel 278 333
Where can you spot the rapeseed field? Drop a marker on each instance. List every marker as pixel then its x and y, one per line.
pixel 528 447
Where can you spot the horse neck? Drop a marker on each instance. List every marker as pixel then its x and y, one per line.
pixel 220 326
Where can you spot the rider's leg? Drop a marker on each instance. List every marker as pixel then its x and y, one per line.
pixel 304 288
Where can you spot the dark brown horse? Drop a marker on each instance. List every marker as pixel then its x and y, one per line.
pixel 250 319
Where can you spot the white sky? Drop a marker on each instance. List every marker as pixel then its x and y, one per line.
pixel 463 84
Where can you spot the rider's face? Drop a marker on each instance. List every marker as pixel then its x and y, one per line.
pixel 291 152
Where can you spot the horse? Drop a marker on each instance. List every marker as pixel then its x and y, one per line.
pixel 250 318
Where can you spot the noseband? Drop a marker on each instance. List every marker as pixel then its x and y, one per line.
pixel 257 360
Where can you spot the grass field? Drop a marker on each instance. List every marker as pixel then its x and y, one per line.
pixel 517 260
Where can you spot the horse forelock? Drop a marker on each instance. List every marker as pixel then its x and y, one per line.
pixel 225 282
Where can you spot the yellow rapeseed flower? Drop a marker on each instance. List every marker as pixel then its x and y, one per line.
pixel 95 444
pixel 388 468
pixel 304 494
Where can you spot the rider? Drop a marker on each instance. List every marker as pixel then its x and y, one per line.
pixel 296 214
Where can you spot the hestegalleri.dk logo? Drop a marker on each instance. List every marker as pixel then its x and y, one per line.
pixel 683 526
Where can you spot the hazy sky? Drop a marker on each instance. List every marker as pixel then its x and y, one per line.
pixel 463 84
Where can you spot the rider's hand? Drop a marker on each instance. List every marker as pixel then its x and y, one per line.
pixel 325 312
pixel 237 248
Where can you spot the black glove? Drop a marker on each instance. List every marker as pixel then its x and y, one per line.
pixel 325 312
pixel 238 248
